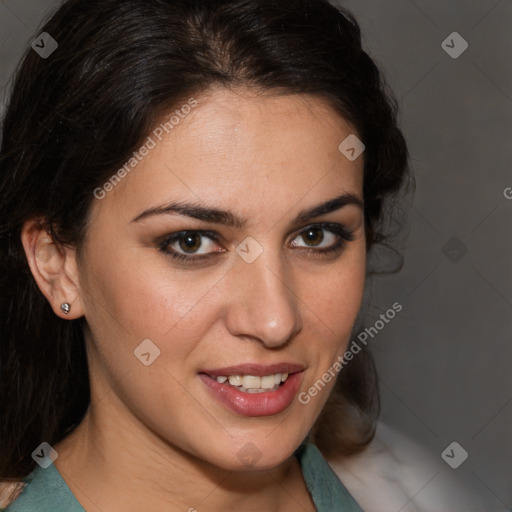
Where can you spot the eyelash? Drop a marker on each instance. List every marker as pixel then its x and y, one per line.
pixel 340 231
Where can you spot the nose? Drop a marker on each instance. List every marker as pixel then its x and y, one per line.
pixel 262 302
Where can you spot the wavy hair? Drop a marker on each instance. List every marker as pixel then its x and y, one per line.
pixel 74 118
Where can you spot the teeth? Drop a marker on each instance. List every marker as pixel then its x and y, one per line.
pixel 235 380
pixel 252 383
pixel 268 382
pixel 252 390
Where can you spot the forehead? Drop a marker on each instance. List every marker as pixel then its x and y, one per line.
pixel 244 149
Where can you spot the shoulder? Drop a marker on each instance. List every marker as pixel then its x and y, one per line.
pixel 9 491
pixel 45 491
pixel 396 473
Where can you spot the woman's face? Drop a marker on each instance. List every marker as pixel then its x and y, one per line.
pixel 234 248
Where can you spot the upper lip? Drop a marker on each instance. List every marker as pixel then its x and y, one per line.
pixel 258 370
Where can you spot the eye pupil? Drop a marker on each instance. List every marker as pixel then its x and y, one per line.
pixel 314 235
pixel 190 242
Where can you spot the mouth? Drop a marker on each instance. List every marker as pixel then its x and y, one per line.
pixel 254 390
pixel 253 383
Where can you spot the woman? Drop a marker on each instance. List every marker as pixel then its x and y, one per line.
pixel 189 189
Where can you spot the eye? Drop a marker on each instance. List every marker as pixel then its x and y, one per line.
pixel 315 236
pixel 191 243
pixel 322 238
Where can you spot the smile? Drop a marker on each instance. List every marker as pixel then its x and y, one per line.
pixel 254 390
pixel 253 383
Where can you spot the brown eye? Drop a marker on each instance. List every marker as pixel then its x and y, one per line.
pixel 313 236
pixel 322 239
pixel 317 237
pixel 190 242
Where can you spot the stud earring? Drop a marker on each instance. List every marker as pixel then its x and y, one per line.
pixel 66 307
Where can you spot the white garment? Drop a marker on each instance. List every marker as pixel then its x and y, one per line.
pixel 396 474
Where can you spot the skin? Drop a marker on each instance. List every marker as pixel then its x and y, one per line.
pixel 154 438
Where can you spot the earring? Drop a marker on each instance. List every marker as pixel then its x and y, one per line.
pixel 66 307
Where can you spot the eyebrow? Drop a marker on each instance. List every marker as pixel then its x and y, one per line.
pixel 232 220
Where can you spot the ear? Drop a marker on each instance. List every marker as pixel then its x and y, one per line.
pixel 54 268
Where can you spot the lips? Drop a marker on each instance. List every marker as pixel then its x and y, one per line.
pixel 257 370
pixel 254 402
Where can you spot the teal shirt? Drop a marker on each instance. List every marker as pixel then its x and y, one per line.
pixel 47 492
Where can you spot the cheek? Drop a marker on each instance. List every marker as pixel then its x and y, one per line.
pixel 332 308
pixel 335 298
pixel 132 299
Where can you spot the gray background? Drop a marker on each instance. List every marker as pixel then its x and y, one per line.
pixel 444 361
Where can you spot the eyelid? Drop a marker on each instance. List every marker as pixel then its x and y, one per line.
pixel 170 238
pixel 328 226
pixel 341 231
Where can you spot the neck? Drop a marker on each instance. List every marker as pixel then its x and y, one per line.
pixel 113 462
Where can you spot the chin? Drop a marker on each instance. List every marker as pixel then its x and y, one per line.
pixel 258 454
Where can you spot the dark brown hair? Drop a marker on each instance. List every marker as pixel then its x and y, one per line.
pixel 76 117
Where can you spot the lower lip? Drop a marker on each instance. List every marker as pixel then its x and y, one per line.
pixel 255 404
